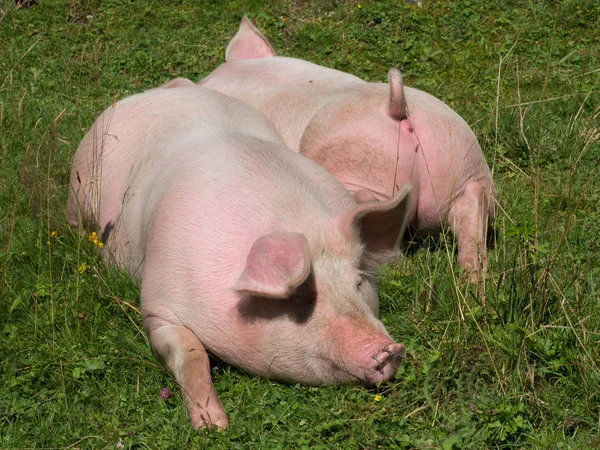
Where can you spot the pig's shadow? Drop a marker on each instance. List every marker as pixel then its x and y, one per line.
pixel 299 307
pixel 107 231
pixel 412 242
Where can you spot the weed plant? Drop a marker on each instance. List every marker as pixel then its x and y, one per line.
pixel 512 362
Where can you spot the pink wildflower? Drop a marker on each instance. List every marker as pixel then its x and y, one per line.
pixel 166 393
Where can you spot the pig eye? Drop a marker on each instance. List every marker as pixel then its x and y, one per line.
pixel 359 284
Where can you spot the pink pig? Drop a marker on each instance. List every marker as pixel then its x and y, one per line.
pixel 242 248
pixel 373 137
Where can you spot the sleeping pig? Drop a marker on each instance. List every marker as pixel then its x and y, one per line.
pixel 242 248
pixel 373 137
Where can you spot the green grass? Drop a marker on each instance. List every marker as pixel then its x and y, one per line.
pixel 513 363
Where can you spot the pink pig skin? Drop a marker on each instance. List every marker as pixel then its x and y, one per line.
pixel 242 248
pixel 371 136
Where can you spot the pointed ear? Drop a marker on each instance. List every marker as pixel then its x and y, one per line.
pixel 278 263
pixel 397 105
pixel 380 226
pixel 248 43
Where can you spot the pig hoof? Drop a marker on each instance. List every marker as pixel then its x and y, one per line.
pixel 211 426
pixel 204 421
pixel 473 271
pixel 468 266
pixel 221 425
pixel 473 274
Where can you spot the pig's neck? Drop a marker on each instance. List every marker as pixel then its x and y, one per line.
pixel 290 110
pixel 289 92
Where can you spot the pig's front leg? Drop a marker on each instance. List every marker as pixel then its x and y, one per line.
pixel 183 353
pixel 468 220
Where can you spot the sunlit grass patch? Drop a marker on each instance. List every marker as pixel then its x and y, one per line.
pixel 511 362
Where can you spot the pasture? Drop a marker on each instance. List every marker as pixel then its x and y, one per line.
pixel 511 362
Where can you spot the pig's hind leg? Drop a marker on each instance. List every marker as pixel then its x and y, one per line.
pixel 183 353
pixel 468 220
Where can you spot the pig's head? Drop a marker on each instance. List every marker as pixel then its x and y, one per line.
pixel 308 306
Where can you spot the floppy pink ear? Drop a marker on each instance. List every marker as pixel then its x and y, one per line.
pixel 380 226
pixel 397 105
pixel 278 263
pixel 248 43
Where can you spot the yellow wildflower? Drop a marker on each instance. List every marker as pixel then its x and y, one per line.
pixel 82 268
pixel 93 237
pixel 359 6
pixel 54 234
pixel 378 397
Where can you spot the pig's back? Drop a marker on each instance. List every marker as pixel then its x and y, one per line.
pixel 224 188
pixel 216 160
pixel 127 133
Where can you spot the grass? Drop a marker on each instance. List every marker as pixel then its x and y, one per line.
pixel 512 363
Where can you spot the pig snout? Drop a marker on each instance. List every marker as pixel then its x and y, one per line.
pixel 382 366
pixel 376 362
pixel 365 352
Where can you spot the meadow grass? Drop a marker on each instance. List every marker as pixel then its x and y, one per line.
pixel 513 362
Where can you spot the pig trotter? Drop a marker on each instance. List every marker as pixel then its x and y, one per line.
pixel 468 220
pixel 180 350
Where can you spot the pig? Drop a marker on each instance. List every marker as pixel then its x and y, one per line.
pixel 373 137
pixel 242 248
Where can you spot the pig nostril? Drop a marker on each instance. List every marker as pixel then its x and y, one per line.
pixel 379 364
pixel 389 352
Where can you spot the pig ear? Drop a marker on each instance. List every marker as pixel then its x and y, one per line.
pixel 248 43
pixel 380 225
pixel 278 263
pixel 397 105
